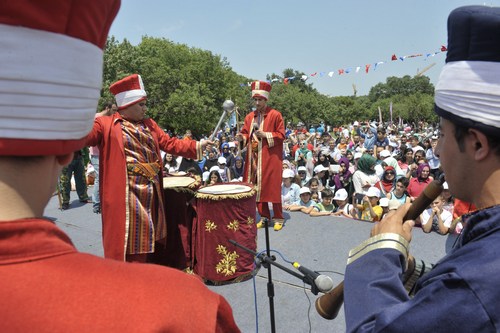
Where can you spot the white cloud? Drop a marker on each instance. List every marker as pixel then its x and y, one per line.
pixel 179 25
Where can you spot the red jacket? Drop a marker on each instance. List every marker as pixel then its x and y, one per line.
pixel 270 154
pixel 47 286
pixel 107 135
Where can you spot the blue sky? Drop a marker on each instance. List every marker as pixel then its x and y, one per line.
pixel 263 37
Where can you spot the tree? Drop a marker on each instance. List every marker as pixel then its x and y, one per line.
pixel 186 86
pixel 405 86
pixel 295 104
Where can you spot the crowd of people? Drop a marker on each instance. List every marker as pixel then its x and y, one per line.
pixel 374 167
pixel 345 171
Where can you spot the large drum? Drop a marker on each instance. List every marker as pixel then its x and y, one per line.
pixel 179 213
pixel 225 211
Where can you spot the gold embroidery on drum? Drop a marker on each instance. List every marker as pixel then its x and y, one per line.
pixel 250 220
pixel 210 226
pixel 234 225
pixel 227 265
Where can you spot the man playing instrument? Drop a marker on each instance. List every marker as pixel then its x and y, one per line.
pixel 131 171
pixel 263 134
pixel 460 293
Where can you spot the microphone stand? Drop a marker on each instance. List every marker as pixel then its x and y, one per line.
pixel 267 261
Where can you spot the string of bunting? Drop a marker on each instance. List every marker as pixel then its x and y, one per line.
pixel 346 70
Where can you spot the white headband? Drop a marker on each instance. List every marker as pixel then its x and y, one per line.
pixel 471 90
pixel 49 84
pixel 263 93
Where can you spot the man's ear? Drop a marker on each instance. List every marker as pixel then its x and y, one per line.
pixel 65 159
pixel 479 143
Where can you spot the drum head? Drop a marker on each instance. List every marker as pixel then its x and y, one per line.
pixel 225 189
pixel 177 181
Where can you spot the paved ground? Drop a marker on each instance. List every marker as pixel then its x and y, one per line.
pixel 320 243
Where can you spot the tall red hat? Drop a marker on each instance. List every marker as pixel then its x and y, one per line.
pixel 261 89
pixel 128 91
pixel 51 73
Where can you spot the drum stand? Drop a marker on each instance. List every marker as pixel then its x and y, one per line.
pixel 267 261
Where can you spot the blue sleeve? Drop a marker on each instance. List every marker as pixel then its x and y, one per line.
pixel 361 134
pixel 376 301
pixel 296 193
pixel 428 154
pixel 369 142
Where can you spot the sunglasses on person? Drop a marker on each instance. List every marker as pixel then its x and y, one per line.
pixel 390 173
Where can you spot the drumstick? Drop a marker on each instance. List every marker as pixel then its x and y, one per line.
pixel 329 304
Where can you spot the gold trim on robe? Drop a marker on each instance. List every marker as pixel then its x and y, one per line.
pixel 381 241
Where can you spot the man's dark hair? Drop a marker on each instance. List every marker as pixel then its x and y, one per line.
pixel 326 193
pixel 461 132
pixel 403 180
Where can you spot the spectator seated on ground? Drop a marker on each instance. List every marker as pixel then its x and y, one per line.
pixel 365 173
pixel 304 177
pixel 436 218
pixel 344 208
pixel 289 189
pixel 399 192
pixel 325 207
pixel 370 210
pixel 303 154
pixel 320 173
pixel 342 178
pixel 315 187
pixel 305 204
pixel 420 181
pixel 213 177
pixel 448 198
pixel 384 203
pixel 387 183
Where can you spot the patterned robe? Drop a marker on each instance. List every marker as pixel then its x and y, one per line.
pixel 115 184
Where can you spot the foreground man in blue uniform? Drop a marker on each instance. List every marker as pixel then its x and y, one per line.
pixel 461 293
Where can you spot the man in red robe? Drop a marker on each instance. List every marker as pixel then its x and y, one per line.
pixel 263 134
pixel 131 173
pixel 46 284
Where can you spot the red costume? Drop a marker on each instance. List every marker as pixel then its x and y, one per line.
pixel 63 290
pixel 461 207
pixel 51 75
pixel 268 166
pixel 113 178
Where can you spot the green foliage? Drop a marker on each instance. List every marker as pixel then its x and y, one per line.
pixel 412 99
pixel 186 88
pixel 405 86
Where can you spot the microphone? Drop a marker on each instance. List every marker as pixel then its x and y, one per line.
pixel 324 283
